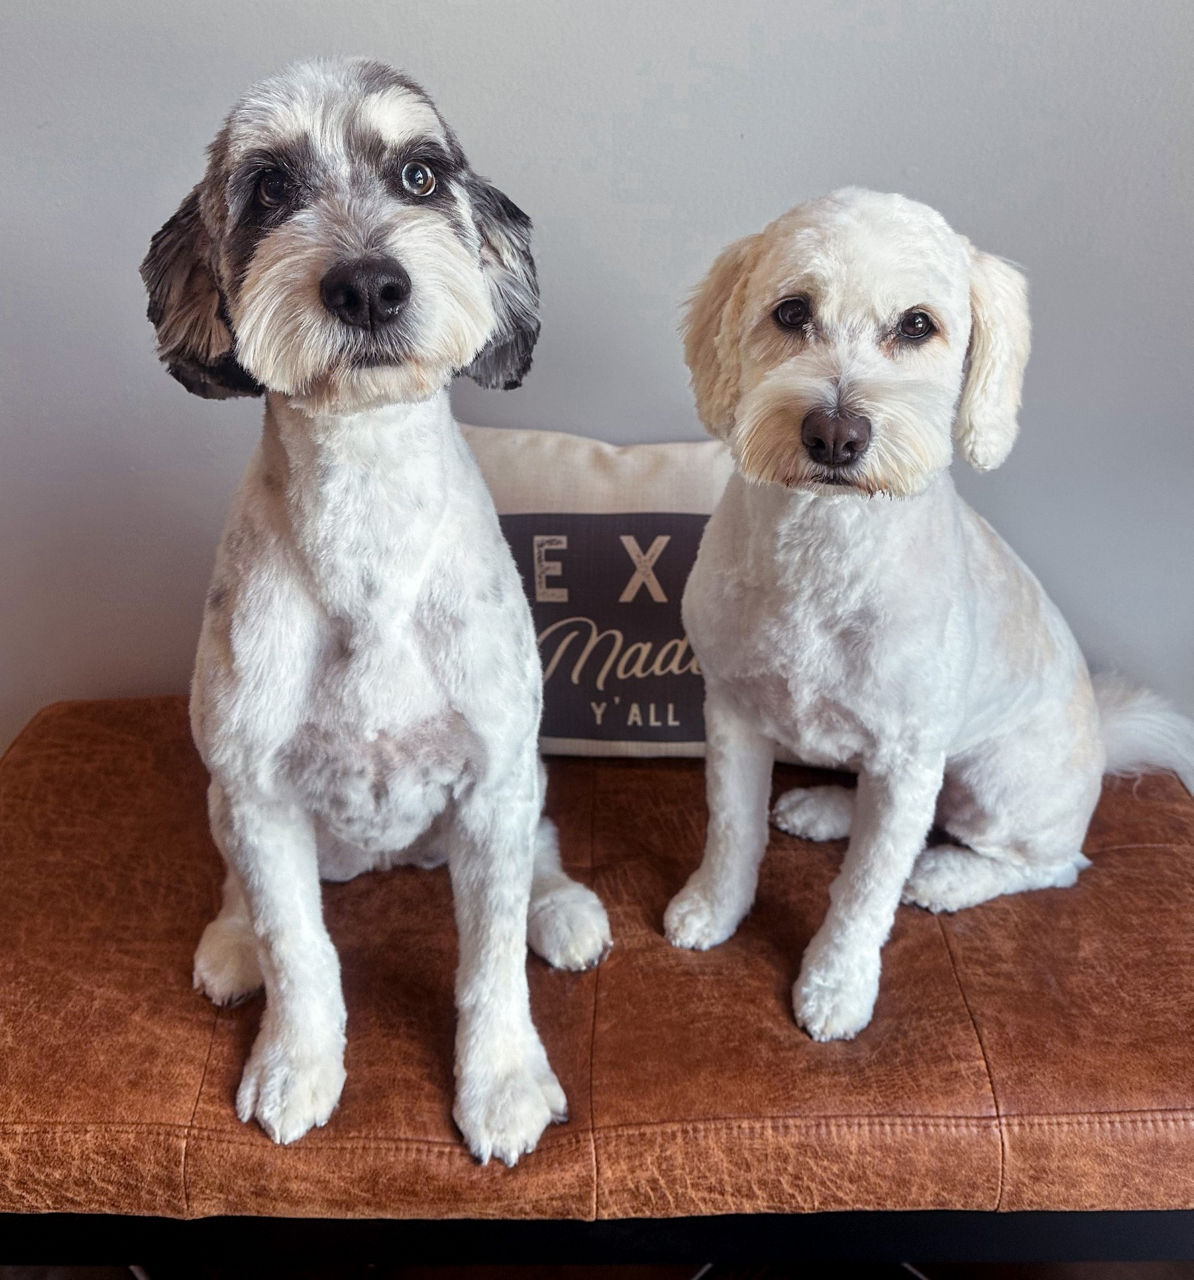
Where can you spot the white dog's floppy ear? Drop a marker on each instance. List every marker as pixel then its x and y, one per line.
pixel 187 309
pixel 986 424
pixel 513 287
pixel 711 334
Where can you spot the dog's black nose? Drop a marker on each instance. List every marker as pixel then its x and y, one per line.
pixel 366 293
pixel 835 439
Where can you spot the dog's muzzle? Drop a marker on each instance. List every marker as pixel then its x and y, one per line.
pixel 835 439
pixel 366 293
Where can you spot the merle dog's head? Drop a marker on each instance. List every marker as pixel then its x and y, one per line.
pixel 340 251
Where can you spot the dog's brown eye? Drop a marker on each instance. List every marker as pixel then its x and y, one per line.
pixel 916 325
pixel 418 179
pixel 272 188
pixel 793 313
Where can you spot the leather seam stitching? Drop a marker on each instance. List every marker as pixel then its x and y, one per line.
pixel 1177 1119
pixel 449 1146
pixel 982 1048
pixel 190 1129
pixel 596 993
pixel 1136 1120
pixel 172 1129
pixel 910 1124
pixel 1132 848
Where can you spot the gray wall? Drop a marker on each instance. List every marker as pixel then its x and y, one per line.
pixel 641 138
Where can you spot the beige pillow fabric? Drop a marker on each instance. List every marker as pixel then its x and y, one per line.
pixel 604 537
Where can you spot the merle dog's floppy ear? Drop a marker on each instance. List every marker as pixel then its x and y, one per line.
pixel 187 309
pixel 1000 333
pixel 513 286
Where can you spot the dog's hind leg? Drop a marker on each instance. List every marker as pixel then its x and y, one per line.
pixel 1018 825
pixel 948 878
pixel 566 923
pixel 227 970
pixel 815 813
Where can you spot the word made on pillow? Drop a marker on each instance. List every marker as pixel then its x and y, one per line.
pixel 604 537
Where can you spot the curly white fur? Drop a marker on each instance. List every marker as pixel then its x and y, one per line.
pixel 863 616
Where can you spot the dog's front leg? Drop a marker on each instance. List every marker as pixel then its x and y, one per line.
pixel 295 1071
pixel 738 763
pixel 506 1093
pixel 834 996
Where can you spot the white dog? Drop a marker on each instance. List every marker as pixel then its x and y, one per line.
pixel 367 689
pixel 848 607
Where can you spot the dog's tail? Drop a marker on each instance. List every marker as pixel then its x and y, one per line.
pixel 1142 732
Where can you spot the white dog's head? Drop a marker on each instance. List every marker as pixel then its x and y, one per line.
pixel 840 349
pixel 340 251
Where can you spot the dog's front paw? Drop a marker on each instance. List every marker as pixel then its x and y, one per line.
pixel 568 927
pixel 697 921
pixel 815 813
pixel 226 966
pixel 834 997
pixel 503 1113
pixel 290 1088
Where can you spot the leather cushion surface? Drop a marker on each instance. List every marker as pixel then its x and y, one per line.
pixel 1030 1053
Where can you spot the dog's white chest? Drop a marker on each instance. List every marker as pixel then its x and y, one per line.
pixel 374 634
pixel 792 675
pixel 793 620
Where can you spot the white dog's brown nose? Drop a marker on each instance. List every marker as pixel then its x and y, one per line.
pixel 835 439
pixel 365 293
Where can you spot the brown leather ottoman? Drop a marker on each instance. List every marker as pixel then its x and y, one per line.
pixel 1031 1053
